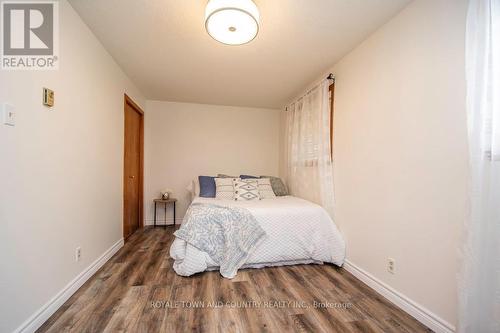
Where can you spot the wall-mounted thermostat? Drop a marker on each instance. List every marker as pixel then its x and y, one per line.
pixel 48 97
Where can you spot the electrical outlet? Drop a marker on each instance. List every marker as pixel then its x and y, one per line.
pixel 391 265
pixel 78 254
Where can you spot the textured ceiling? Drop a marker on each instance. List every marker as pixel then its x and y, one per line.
pixel 163 47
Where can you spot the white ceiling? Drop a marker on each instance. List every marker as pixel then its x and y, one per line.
pixel 163 47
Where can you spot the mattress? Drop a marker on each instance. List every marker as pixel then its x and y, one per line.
pixel 297 232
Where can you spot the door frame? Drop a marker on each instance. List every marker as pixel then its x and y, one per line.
pixel 128 101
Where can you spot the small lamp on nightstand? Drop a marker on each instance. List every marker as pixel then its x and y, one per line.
pixel 166 193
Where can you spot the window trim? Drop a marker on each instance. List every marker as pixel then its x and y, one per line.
pixel 331 89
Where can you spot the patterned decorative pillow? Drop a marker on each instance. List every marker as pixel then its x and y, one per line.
pixel 224 188
pixel 265 188
pixel 246 189
pixel 278 186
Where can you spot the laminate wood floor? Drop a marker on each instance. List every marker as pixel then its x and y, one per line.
pixel 138 291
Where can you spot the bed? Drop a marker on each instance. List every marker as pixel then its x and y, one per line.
pixel 296 232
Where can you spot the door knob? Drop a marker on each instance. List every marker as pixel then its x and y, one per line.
pixel 131 177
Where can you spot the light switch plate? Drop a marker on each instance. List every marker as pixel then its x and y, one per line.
pixel 9 114
pixel 48 97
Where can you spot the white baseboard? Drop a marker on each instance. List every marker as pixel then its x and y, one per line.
pixel 423 315
pixel 44 313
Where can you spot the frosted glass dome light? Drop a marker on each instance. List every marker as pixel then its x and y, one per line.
pixel 232 22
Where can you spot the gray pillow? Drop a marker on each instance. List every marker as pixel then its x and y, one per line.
pixel 221 175
pixel 279 188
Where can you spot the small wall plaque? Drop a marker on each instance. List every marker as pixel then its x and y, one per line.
pixel 48 97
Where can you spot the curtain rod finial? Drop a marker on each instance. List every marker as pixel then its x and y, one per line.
pixel 330 77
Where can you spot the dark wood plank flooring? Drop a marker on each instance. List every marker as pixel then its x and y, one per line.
pixel 138 291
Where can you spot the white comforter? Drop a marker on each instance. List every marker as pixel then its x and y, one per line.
pixel 297 232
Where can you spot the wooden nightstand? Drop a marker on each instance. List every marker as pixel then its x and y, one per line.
pixel 166 203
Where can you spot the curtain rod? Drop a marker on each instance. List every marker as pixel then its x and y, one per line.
pixel 329 77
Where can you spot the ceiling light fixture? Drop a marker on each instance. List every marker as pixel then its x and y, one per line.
pixel 232 22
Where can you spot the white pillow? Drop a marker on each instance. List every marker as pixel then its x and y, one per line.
pixel 246 189
pixel 196 183
pixel 194 188
pixel 265 188
pixel 224 189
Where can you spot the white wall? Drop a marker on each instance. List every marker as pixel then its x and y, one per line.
pixel 60 170
pixel 183 141
pixel 401 152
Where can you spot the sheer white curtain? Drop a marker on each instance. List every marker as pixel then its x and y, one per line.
pixel 310 168
pixel 480 277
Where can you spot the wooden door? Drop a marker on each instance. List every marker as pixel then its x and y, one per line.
pixel 133 166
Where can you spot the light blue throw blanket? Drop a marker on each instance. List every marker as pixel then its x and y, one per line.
pixel 227 234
